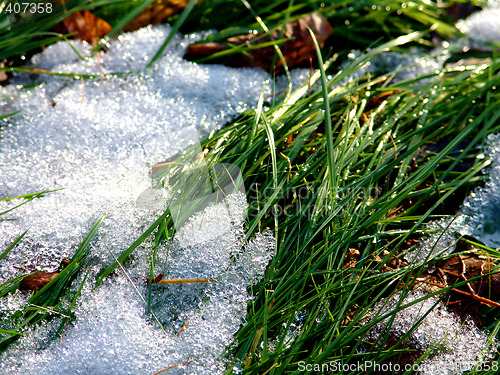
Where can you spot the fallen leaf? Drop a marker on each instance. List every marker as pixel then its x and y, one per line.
pixel 469 266
pixel 156 13
pixel 299 48
pixel 85 25
pixel 37 280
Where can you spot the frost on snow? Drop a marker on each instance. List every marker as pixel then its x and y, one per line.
pixel 96 140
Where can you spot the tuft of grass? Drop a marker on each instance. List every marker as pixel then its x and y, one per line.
pixel 363 164
pixel 371 181
pixel 376 143
pixel 49 300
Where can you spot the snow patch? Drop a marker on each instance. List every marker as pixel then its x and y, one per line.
pixel 96 140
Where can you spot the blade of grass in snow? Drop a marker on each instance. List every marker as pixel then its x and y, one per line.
pixel 12 245
pixel 28 197
pixel 42 304
pixel 125 254
pixel 135 288
pixel 185 13
pixel 122 22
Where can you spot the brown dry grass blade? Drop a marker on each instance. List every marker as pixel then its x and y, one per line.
pixel 473 296
pixel 180 364
pixel 185 281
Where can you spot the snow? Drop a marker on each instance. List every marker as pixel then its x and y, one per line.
pixel 483 26
pixel 477 217
pixel 406 66
pixel 452 347
pixel 96 140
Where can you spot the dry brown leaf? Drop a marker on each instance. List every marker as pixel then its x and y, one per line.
pixel 156 13
pixel 85 25
pixel 37 280
pixel 154 280
pixel 468 266
pixel 4 77
pixel 299 47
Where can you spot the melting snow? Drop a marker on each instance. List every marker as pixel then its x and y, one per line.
pixel 478 216
pixel 405 65
pixel 483 26
pixel 453 347
pixel 96 139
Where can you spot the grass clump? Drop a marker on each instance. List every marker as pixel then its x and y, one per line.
pixel 54 298
pixel 346 172
pixel 356 188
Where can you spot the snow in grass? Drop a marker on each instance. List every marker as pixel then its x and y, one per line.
pixel 113 334
pixel 478 216
pixel 452 347
pixel 483 26
pixel 400 66
pixel 96 139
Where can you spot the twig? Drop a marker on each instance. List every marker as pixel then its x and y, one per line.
pixel 474 296
pixel 179 364
pixel 183 327
pixel 185 281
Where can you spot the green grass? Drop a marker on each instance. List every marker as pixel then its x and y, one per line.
pixel 357 24
pixel 371 176
pixel 48 301
pixel 343 165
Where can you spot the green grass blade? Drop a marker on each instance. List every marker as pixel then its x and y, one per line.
pixel 182 18
pixel 12 245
